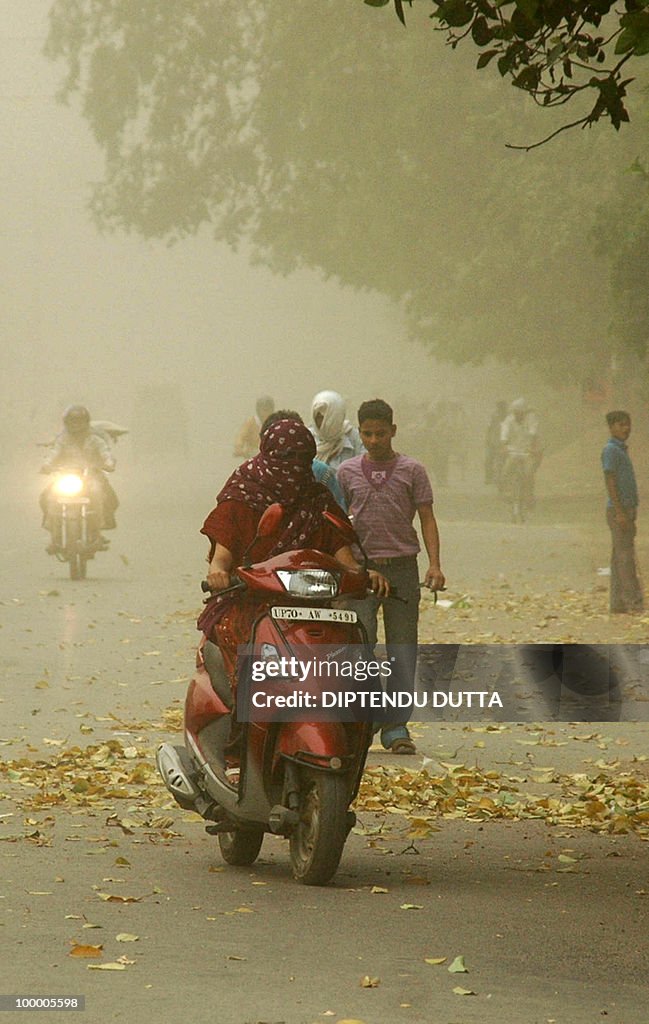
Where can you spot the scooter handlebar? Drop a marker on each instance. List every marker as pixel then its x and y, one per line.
pixel 207 589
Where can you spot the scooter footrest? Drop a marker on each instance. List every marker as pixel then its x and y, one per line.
pixel 224 825
pixel 215 827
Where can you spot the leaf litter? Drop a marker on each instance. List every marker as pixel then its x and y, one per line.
pixel 105 775
pixel 609 802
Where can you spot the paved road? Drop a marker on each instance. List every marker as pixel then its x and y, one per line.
pixel 544 939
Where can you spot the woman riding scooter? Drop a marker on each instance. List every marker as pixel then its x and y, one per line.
pixel 285 542
pixel 280 473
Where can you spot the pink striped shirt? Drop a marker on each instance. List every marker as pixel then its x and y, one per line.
pixel 382 498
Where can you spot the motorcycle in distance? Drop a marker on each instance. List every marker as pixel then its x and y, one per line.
pixel 295 778
pixel 72 520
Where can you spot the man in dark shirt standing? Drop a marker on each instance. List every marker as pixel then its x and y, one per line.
pixel 621 512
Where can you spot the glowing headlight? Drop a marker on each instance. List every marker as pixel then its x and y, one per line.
pixel 69 485
pixel 309 582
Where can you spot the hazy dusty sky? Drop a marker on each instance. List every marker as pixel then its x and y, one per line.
pixel 99 318
pixel 102 318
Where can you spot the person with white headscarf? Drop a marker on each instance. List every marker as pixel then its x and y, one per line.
pixel 336 438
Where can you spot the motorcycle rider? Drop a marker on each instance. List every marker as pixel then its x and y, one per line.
pixel 80 448
pixel 281 472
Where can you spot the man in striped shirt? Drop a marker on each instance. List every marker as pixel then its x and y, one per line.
pixel 383 490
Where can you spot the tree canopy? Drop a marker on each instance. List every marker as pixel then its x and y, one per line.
pixel 270 125
pixel 555 50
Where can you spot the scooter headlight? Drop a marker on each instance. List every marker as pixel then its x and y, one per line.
pixel 68 485
pixel 309 582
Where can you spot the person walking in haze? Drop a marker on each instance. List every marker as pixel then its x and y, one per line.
pixel 383 490
pixel 621 512
pixel 336 438
pixel 247 442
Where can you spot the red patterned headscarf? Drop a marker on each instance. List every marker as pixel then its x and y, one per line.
pixel 282 472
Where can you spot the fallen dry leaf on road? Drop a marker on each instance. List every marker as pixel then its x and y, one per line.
pixel 108 897
pixel 458 966
pixel 87 952
pixel 368 982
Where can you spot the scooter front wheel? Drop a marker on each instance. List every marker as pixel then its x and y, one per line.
pixel 316 845
pixel 241 847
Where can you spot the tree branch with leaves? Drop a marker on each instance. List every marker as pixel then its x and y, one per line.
pixel 554 50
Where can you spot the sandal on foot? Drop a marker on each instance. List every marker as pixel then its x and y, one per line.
pixel 403 746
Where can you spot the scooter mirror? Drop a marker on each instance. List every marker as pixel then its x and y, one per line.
pixel 270 520
pixel 343 527
pixel 347 532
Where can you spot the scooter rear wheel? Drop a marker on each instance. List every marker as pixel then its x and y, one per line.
pixel 316 845
pixel 241 847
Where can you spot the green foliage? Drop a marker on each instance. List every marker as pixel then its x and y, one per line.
pixel 555 50
pixel 273 126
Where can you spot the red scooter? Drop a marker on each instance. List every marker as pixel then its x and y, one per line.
pixel 293 778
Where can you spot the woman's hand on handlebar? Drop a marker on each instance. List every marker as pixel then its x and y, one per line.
pixel 378 583
pixel 218 574
pixel 218 579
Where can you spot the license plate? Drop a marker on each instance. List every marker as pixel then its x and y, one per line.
pixel 314 614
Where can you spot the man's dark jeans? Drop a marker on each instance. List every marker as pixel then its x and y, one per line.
pixel 400 620
pixel 626 588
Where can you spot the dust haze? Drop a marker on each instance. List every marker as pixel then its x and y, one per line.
pixel 176 343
